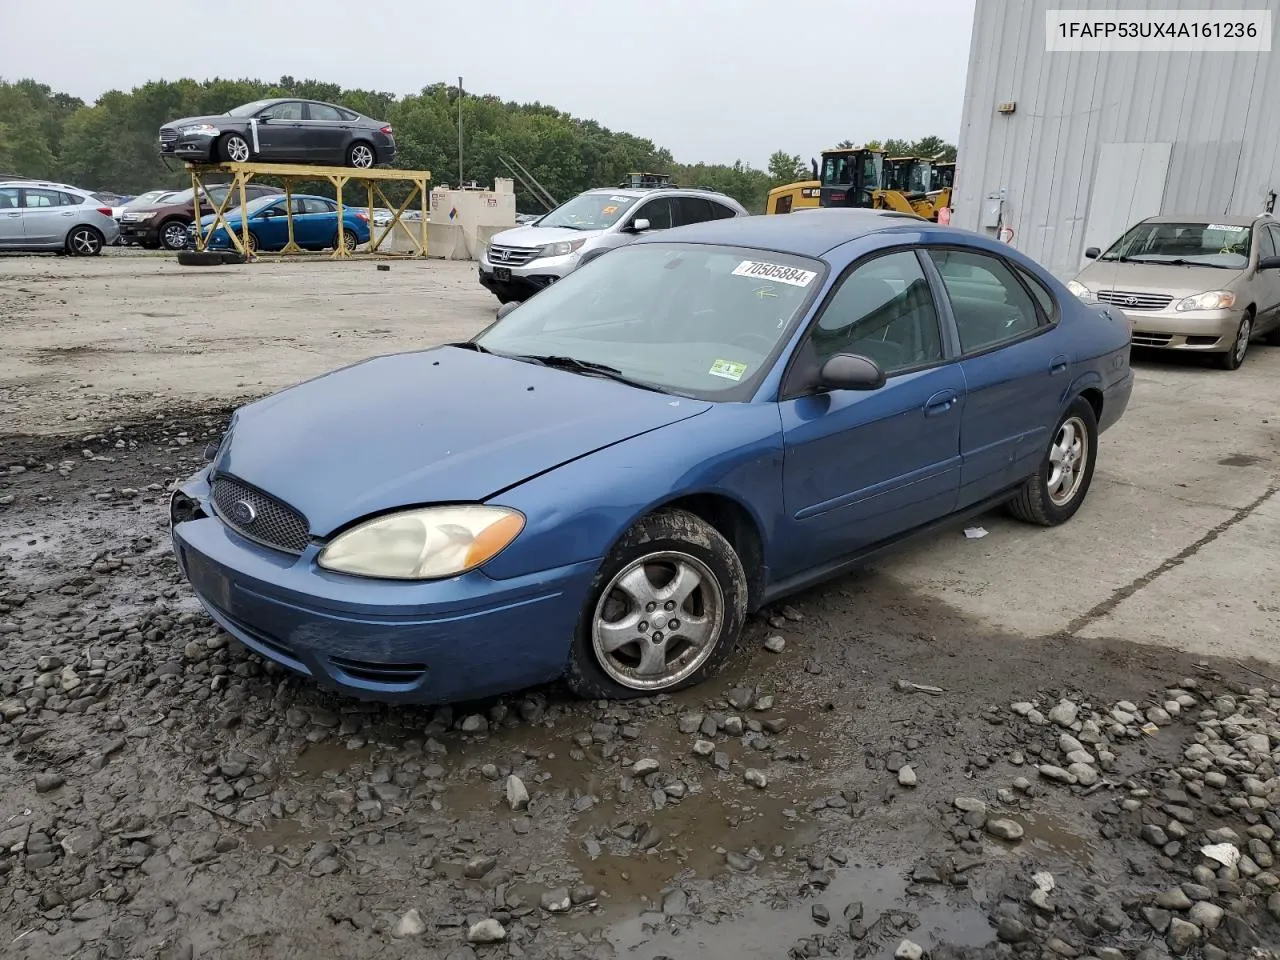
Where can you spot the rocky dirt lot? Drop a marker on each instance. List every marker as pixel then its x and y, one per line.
pixel 1037 744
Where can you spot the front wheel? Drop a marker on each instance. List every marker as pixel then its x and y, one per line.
pixel 1232 359
pixel 664 612
pixel 234 148
pixel 1054 493
pixel 173 235
pixel 84 242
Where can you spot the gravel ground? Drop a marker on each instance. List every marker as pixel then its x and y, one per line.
pixel 880 772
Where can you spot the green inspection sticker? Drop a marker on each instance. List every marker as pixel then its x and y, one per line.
pixel 728 369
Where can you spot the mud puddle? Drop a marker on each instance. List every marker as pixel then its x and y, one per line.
pixel 870 912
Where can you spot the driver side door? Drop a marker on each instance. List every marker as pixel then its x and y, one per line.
pixel 282 135
pixel 861 467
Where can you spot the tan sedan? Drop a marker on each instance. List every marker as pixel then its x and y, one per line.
pixel 1203 283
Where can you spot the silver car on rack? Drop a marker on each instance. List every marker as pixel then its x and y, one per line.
pixel 38 215
pixel 1202 283
pixel 516 264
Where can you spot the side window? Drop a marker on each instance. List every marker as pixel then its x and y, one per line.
pixel 9 198
pixel 42 198
pixel 69 200
pixel 1266 241
pixel 693 210
pixel 322 111
pixel 657 212
pixel 720 212
pixel 990 305
pixel 1041 293
pixel 313 205
pixel 1275 237
pixel 883 310
pixel 289 110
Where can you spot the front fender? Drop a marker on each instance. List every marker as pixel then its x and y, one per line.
pixel 579 510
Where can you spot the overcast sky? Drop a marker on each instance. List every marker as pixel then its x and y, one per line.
pixel 722 80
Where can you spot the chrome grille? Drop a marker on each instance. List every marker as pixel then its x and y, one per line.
pixel 511 256
pixel 259 517
pixel 168 135
pixel 1135 301
pixel 1141 339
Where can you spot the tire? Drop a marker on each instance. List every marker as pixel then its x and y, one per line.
pixel 173 235
pixel 1234 357
pixel 657 550
pixel 360 155
pixel 84 241
pixel 1035 503
pixel 234 148
pixel 349 240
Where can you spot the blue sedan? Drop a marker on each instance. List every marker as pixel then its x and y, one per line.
pixel 315 224
pixel 606 481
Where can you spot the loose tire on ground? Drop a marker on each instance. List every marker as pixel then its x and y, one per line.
pixel 651 558
pixel 208 258
pixel 1036 502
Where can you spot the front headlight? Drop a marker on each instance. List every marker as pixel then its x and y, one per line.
pixel 561 249
pixel 208 129
pixel 1213 300
pixel 423 544
pixel 1079 289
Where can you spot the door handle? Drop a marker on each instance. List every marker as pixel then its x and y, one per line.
pixel 1058 364
pixel 940 403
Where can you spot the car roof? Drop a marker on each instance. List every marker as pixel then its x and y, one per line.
pixel 810 234
pixel 1233 221
pixel 52 185
pixel 637 192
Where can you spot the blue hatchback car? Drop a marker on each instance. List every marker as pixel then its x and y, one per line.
pixel 315 224
pixel 606 481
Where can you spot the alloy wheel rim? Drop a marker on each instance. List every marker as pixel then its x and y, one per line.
pixel 175 236
pixel 84 242
pixel 657 621
pixel 1242 338
pixel 361 156
pixel 1068 457
pixel 238 150
pixel 349 242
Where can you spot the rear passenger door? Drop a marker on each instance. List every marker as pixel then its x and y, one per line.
pixel 1016 371
pixel 317 222
pixel 46 216
pixel 326 133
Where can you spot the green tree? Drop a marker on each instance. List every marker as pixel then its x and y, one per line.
pixel 786 168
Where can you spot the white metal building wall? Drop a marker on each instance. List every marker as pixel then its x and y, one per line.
pixel 1219 112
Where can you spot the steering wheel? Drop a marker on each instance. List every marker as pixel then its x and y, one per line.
pixel 756 337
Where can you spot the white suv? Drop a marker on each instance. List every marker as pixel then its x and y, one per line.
pixel 38 215
pixel 517 263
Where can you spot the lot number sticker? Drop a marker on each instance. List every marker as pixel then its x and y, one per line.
pixel 759 270
pixel 1228 227
pixel 728 369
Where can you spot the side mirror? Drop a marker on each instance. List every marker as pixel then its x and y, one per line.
pixel 1093 253
pixel 639 226
pixel 1269 263
pixel 506 308
pixel 850 371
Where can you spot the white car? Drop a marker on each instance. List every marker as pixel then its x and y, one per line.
pixel 39 215
pixel 517 263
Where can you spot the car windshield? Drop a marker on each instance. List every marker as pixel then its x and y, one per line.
pixel 696 320
pixel 589 211
pixel 1206 244
pixel 248 109
pixel 151 196
pixel 253 206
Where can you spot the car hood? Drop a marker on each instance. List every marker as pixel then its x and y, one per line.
pixel 1177 281
pixel 540 236
pixel 188 121
pixel 444 425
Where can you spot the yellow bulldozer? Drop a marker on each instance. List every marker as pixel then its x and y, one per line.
pixel 859 177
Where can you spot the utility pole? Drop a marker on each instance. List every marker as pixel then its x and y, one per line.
pixel 459 133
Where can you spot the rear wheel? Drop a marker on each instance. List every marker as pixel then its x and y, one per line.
pixel 84 242
pixel 1054 493
pixel 173 235
pixel 1232 359
pixel 360 154
pixel 234 148
pixel 664 612
pixel 349 241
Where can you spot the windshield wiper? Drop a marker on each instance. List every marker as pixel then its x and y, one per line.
pixel 469 345
pixel 584 366
pixel 1179 262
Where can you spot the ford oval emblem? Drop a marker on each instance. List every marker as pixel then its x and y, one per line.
pixel 243 513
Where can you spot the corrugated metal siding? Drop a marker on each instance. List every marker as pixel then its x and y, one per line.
pixel 1221 112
